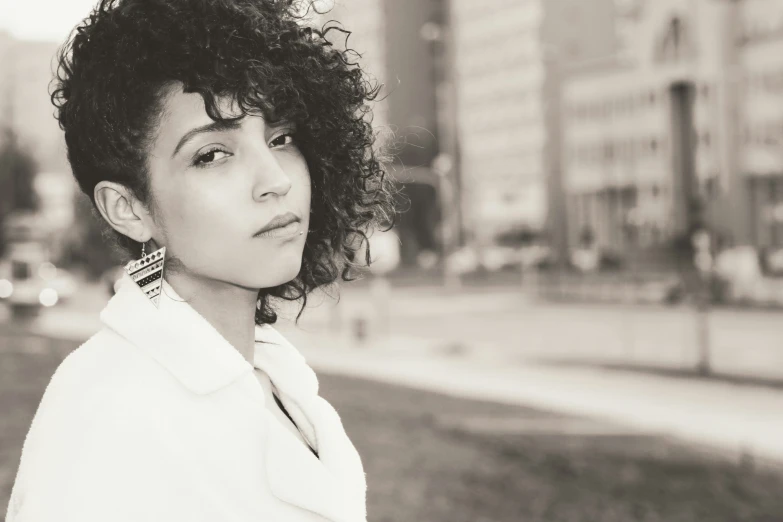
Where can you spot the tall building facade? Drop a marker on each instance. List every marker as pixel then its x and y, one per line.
pixel 25 106
pixel 500 76
pixel 759 69
pixel 26 109
pixel 389 36
pixel 490 73
pixel 366 21
pixel 688 112
pixel 397 48
pixel 510 57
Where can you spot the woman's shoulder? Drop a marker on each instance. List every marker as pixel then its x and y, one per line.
pixel 101 352
pixel 99 414
pixel 104 355
pixel 101 392
pixel 102 374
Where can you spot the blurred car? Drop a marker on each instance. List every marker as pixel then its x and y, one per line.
pixel 494 258
pixel 463 261
pixel 771 261
pixel 536 256
pixel 29 282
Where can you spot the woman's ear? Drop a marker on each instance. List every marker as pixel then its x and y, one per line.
pixel 122 211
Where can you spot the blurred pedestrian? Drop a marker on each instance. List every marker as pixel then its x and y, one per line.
pixel 587 256
pixel 225 142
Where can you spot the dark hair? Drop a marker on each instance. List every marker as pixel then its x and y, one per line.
pixel 114 70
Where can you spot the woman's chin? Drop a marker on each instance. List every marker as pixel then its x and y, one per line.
pixel 276 277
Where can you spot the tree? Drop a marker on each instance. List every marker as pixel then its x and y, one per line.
pixel 17 172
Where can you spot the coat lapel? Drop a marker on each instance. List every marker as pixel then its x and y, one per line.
pixel 297 477
pixel 338 487
pixel 333 484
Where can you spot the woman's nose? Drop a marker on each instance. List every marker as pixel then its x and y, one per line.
pixel 269 176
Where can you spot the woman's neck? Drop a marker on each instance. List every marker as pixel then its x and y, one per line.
pixel 230 309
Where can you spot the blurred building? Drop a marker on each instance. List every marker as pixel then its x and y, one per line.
pixel 25 104
pixel 687 113
pixel 366 22
pixel 473 87
pixel 509 61
pixel 500 76
pixel 758 71
pixel 26 109
pixel 395 52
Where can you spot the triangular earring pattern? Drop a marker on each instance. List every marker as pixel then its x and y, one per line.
pixel 147 272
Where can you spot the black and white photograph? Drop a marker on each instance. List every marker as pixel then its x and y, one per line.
pixel 391 261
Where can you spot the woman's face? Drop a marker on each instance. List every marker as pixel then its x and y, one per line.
pixel 216 185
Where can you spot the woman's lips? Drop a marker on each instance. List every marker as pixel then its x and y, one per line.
pixel 290 230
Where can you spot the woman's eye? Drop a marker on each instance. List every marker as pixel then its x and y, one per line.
pixel 283 139
pixel 209 157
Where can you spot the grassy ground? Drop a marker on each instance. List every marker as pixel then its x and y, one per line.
pixel 431 458
pixel 422 467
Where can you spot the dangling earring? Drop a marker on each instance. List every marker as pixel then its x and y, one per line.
pixel 147 272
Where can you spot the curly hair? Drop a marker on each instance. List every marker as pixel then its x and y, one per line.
pixel 109 91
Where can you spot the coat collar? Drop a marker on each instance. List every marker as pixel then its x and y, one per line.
pixel 199 357
pixel 208 364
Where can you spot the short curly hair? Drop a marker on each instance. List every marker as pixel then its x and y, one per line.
pixel 109 90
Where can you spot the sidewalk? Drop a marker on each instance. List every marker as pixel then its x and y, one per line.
pixel 738 421
pixel 744 344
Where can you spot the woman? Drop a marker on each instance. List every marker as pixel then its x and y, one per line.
pixel 224 143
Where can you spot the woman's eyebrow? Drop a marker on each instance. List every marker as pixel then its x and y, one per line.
pixel 280 124
pixel 220 125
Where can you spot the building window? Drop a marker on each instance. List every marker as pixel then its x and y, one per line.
pixel 711 186
pixel 609 151
pixel 770 135
pixel 675 45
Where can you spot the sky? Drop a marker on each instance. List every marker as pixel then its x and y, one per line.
pixel 48 20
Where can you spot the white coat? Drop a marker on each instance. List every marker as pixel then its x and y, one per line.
pixel 158 418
